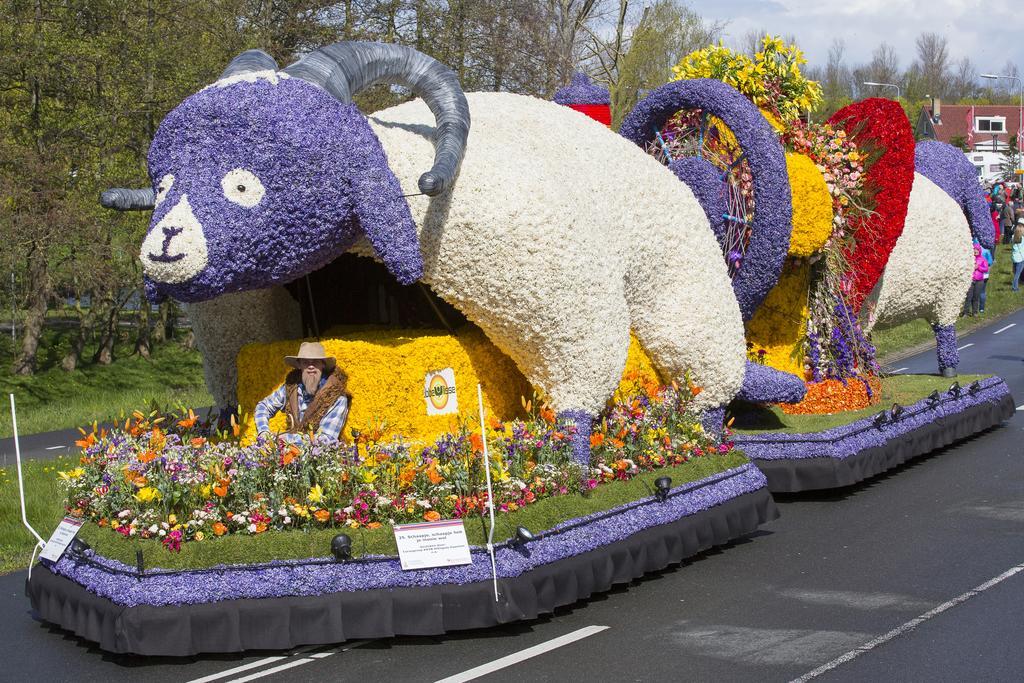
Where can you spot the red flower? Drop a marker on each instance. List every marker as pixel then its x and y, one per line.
pixel 881 127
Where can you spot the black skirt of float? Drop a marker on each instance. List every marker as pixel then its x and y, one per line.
pixel 792 475
pixel 283 623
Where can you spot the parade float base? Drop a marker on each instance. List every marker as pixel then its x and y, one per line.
pixel 283 604
pixel 867 442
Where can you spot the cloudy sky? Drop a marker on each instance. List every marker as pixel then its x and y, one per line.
pixel 989 36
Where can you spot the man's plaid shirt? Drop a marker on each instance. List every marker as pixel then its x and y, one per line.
pixel 330 425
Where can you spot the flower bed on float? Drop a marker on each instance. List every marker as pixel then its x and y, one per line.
pixel 172 481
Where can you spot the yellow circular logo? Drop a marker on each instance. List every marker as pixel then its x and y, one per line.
pixel 437 391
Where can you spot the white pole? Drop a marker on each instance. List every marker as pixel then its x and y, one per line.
pixel 21 481
pixel 490 491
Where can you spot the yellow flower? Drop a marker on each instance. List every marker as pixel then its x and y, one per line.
pixel 147 494
pixel 316 494
pixel 71 474
pixel 199 536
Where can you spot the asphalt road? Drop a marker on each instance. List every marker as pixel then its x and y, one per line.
pixel 914 575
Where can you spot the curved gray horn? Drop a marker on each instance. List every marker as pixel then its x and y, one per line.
pixel 343 69
pixel 123 199
pixel 249 61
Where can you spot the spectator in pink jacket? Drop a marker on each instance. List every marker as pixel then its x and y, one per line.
pixel 977 282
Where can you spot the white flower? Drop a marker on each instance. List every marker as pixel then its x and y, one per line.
pixel 131 531
pixel 349 510
pixel 162 532
pixel 124 513
pixel 252 528
pixel 153 529
pixel 287 519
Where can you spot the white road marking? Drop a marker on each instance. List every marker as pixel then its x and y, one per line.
pixel 1004 329
pixel 898 370
pixel 251 665
pixel 961 348
pixel 908 626
pixel 299 662
pixel 53 448
pixel 523 655
pixel 1020 407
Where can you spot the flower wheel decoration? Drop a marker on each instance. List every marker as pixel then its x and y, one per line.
pixel 717 142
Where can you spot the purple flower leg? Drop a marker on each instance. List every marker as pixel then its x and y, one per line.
pixel 713 420
pixel 584 422
pixel 945 348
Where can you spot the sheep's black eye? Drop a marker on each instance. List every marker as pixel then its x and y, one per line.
pixel 241 188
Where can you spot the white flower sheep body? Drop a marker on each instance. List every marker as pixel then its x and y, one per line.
pixel 929 270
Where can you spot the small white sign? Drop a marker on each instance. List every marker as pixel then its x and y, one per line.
pixel 61 538
pixel 439 392
pixel 432 544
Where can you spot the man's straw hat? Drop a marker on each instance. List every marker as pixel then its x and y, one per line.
pixel 310 351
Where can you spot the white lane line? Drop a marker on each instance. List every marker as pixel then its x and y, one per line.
pixel 299 662
pixel 251 665
pixel 53 448
pixel 523 655
pixel 1004 329
pixel 898 370
pixel 961 348
pixel 1020 407
pixel 908 626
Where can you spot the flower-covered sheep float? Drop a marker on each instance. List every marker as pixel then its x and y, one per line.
pixel 585 268
pixel 881 233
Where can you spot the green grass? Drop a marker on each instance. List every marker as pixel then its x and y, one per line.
pixel 902 389
pixel 303 544
pixel 53 399
pixel 44 503
pixel 1000 301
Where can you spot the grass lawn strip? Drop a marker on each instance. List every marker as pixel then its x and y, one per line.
pixel 902 389
pixel 291 545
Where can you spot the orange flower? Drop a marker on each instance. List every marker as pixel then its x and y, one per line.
pixel 103 522
pixel 89 440
pixel 373 525
pixel 261 527
pixel 547 414
pixel 188 422
pixel 157 440
pixel 495 424
pixel 408 474
pixel 432 473
pixel 198 442
pixel 557 436
pixel 322 515
pixel 222 488
pixel 219 529
pixel 431 515
pixel 596 439
pixel 147 456
pixel 289 455
pixel 477 442
pixel 618 443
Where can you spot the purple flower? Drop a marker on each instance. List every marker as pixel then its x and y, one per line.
pixel 948 167
pixel 581 91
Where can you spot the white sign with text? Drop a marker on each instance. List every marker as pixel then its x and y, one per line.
pixel 61 539
pixel 432 544
pixel 439 392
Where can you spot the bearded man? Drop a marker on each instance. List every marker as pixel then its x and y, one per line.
pixel 314 397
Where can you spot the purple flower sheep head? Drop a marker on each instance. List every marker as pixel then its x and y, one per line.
pixel 258 183
pixel 268 175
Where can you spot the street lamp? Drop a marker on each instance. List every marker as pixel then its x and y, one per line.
pixel 1020 110
pixel 885 85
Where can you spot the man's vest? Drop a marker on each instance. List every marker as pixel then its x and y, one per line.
pixel 324 399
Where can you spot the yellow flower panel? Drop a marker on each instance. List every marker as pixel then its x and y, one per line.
pixel 386 369
pixel 780 324
pixel 812 206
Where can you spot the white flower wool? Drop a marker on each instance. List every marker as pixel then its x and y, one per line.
pixel 558 238
pixel 929 270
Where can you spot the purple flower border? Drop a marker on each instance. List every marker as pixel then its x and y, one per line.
pixel 945 346
pixel 285 578
pixel 582 91
pixel 948 167
pixel 848 440
pixel 773 214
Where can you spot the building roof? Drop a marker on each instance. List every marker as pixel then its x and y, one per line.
pixel 954 122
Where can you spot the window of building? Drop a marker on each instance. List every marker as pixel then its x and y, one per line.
pixel 989 124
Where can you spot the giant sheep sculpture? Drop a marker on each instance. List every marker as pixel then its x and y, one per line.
pixel 267 175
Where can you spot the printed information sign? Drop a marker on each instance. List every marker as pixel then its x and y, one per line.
pixel 432 544
pixel 439 392
pixel 61 539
